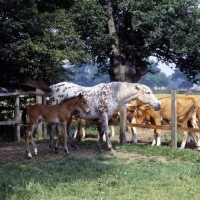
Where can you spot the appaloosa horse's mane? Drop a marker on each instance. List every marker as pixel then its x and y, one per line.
pixel 39 84
pixel 120 90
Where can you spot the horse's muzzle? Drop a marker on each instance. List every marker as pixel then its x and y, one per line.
pixel 157 106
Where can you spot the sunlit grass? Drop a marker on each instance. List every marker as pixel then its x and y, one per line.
pixel 144 172
pixel 103 178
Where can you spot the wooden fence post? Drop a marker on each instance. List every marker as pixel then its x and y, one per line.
pixel 16 116
pixel 39 127
pixel 123 124
pixel 174 120
pixel 44 126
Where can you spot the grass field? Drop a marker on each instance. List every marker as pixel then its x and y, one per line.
pixel 137 172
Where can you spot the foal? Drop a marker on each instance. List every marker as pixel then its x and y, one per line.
pixel 59 113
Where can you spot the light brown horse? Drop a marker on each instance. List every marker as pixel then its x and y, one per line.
pixel 59 113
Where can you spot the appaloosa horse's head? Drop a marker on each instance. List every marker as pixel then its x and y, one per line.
pixel 146 96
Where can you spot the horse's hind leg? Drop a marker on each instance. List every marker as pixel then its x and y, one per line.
pixel 100 139
pixel 32 139
pixel 65 138
pixel 52 129
pixel 27 135
pixel 58 140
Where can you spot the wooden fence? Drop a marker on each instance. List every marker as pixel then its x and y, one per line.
pixel 42 131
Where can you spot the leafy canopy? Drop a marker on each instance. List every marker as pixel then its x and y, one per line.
pixel 36 43
pixel 169 30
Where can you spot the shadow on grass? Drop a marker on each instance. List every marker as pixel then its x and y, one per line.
pixel 20 177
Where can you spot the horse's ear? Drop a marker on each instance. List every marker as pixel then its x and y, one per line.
pixel 137 87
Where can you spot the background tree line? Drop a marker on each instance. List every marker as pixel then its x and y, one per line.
pixel 38 37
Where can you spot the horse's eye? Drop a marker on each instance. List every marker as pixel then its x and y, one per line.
pixel 147 92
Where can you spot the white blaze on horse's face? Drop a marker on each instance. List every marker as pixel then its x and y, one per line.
pixel 147 97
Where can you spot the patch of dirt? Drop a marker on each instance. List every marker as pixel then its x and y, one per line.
pixel 145 137
pixel 18 152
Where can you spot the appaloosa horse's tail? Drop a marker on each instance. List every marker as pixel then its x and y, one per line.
pixel 24 114
pixel 38 84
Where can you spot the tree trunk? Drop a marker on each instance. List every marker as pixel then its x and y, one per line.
pixel 123 67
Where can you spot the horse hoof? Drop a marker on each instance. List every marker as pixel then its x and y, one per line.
pixel 55 150
pixel 114 153
pixel 29 156
pixel 77 148
pixel 101 151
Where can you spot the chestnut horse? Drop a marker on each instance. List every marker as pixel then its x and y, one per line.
pixel 59 113
pixel 103 99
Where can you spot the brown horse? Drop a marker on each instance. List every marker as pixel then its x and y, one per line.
pixel 59 113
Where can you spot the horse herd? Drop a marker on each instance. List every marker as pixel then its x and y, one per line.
pixel 102 102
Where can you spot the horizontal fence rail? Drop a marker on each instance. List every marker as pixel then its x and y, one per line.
pixel 42 131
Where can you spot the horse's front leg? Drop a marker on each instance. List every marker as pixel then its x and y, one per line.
pixel 185 136
pixel 105 129
pixel 71 138
pixel 134 131
pixel 65 138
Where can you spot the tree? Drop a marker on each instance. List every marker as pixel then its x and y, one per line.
pixel 35 43
pixel 155 78
pixel 128 32
pixel 179 80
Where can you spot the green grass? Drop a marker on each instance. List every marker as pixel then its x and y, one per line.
pixel 175 176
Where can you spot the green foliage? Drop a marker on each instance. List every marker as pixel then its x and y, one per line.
pixel 37 36
pixel 166 29
pixel 36 43
pixel 154 78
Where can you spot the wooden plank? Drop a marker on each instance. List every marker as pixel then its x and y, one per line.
pixel 34 93
pixel 9 122
pixel 9 94
pixel 162 127
pixel 188 92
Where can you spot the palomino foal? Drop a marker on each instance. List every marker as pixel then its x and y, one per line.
pixel 59 113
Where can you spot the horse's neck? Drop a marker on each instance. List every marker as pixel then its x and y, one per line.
pixel 126 93
pixel 69 106
pixel 127 99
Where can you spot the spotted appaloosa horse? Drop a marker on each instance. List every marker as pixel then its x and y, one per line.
pixel 103 100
